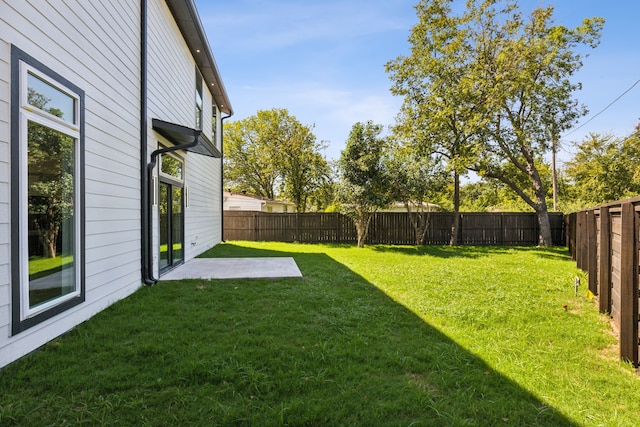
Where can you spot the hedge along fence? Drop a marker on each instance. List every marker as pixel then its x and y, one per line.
pixel 504 228
pixel 604 243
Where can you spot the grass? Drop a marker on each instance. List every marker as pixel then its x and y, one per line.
pixel 398 336
pixel 40 266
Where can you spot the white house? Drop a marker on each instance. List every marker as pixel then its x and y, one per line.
pixel 400 207
pixel 244 202
pixel 110 163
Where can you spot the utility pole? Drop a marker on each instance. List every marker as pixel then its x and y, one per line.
pixel 554 176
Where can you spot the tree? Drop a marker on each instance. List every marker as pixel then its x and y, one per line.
pixel 442 108
pixel 272 151
pixel 528 66
pixel 506 91
pixel 605 169
pixel 251 153
pixel 304 171
pixel 51 183
pixel 415 181
pixel 363 186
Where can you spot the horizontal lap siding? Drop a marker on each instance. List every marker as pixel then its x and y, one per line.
pixel 5 227
pixel 202 216
pixel 95 45
pixel 172 98
pixel 171 70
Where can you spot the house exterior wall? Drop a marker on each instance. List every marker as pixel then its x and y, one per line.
pixel 96 46
pixel 278 207
pixel 5 226
pixel 242 204
pixel 172 86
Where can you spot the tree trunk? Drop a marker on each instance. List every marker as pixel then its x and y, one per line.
pixel 453 241
pixel 542 211
pixel 362 228
pixel 361 234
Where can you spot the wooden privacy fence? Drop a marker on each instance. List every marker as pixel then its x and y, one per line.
pixel 604 243
pixel 504 228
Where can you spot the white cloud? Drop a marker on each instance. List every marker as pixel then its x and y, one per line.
pixel 332 110
pixel 281 24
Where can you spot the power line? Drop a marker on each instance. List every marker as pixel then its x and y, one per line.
pixel 603 110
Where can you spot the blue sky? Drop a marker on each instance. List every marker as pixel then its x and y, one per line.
pixel 323 60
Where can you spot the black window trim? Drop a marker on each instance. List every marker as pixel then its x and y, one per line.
pixel 17 324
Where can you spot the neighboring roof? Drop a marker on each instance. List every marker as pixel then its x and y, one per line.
pixel 188 20
pixel 228 194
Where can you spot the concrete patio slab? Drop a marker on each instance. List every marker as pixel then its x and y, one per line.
pixel 235 268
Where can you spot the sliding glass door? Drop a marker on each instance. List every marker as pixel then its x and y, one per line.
pixel 171 207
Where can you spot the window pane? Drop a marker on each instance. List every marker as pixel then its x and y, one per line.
pixel 48 98
pixel 171 166
pixel 164 209
pixel 176 211
pixel 51 219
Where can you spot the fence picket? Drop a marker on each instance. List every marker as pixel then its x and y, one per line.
pixel 504 228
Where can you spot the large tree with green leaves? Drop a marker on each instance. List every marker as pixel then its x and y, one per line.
pixel 363 187
pixel 605 169
pixel 507 94
pixel 443 106
pixel 528 66
pixel 272 154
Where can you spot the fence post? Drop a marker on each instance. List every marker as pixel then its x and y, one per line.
pixel 255 227
pixel 583 241
pixel 592 248
pixel 604 267
pixel 629 287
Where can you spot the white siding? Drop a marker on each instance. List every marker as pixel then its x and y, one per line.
pixel 5 76
pixel 171 70
pixel 202 217
pixel 172 88
pixel 242 204
pixel 95 45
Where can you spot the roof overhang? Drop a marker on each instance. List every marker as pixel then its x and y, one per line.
pixel 188 20
pixel 193 139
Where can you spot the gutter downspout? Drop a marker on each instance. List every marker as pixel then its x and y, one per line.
pixel 222 119
pixel 145 206
pixel 150 279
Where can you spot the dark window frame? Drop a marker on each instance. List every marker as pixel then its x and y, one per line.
pixel 172 183
pixel 18 324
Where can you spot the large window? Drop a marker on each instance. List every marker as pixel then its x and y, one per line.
pixel 47 194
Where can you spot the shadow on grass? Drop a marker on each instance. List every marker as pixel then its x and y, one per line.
pixel 328 349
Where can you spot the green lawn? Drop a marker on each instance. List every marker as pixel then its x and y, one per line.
pixel 398 336
pixel 40 267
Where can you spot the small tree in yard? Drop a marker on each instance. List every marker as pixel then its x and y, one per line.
pixel 363 187
pixel 415 180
